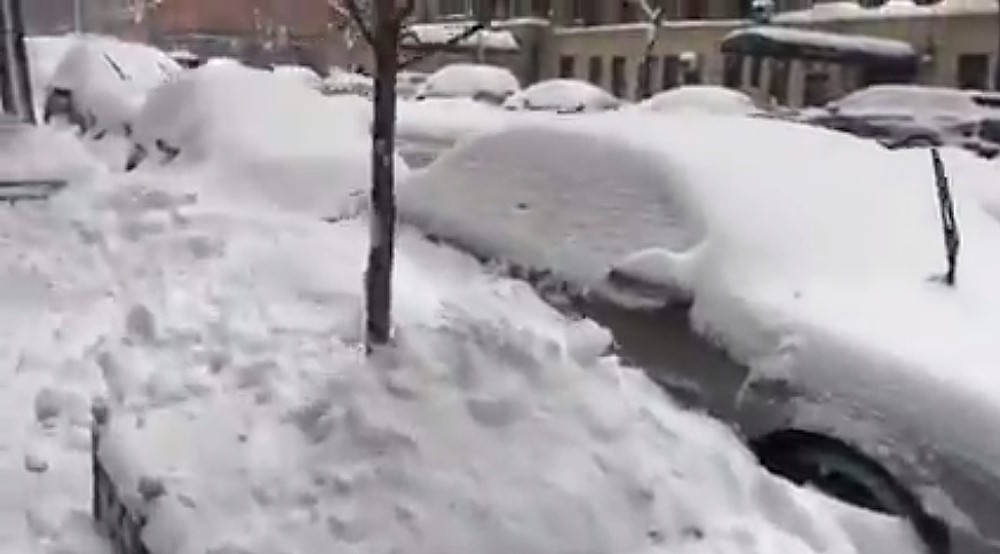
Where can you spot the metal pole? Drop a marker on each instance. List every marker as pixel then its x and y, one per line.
pixel 20 74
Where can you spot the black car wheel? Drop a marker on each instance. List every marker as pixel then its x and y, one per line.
pixel 842 472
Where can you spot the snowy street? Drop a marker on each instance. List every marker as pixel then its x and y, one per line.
pixel 681 325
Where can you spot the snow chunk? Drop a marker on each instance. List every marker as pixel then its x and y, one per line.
pixel 564 96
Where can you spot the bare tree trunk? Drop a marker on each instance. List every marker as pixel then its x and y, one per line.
pixel 996 67
pixel 15 80
pixel 378 277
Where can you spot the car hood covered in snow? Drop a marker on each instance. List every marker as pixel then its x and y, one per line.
pixel 783 260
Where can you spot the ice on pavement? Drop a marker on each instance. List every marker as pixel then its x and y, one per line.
pixel 227 343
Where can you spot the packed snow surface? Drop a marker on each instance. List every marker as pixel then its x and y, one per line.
pixel 267 139
pixel 464 80
pixel 705 99
pixel 563 95
pixel 299 74
pixel 819 274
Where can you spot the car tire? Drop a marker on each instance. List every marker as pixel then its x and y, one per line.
pixel 840 471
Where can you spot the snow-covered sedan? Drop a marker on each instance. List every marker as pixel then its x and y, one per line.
pixel 795 298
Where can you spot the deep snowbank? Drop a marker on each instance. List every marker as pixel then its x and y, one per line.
pixel 260 139
pixel 228 344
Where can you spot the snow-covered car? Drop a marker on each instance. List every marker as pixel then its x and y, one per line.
pixel 276 141
pixel 563 96
pixel 701 99
pixel 797 301
pixel 101 83
pixel 908 116
pixel 481 82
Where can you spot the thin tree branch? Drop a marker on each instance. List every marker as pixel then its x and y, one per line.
pixel 464 35
pixel 354 12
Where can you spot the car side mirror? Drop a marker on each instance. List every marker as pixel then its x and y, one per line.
pixel 650 279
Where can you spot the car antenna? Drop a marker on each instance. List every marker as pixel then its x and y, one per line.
pixel 952 239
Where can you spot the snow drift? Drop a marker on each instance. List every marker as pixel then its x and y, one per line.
pixel 267 140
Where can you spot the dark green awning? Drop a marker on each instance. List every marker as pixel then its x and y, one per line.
pixel 775 41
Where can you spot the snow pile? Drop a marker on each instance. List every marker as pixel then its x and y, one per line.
pixel 345 82
pixel 265 139
pixel 227 343
pixel 706 99
pixel 109 78
pixel 477 81
pixel 563 96
pixel 299 74
pixel 817 274
pixel 446 121
pixel 436 34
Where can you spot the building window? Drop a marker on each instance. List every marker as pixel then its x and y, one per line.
pixel 693 9
pixel 817 88
pixel 670 72
pixel 454 7
pixel 732 71
pixel 567 67
pixel 973 71
pixel 541 8
pixel 644 77
pixel 618 76
pixel 756 68
pixel 583 11
pixel 595 70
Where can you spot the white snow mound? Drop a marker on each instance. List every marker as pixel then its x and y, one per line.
pixel 701 99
